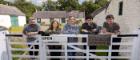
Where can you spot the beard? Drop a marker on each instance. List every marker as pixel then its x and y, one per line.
pixel 32 25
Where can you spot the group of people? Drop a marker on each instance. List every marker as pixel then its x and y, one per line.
pixel 89 27
pixel 71 27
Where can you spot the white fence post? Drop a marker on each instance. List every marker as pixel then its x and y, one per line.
pixel 9 49
pixel 87 49
pixel 136 48
pixel 42 53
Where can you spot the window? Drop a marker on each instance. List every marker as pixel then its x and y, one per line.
pixel 38 20
pixel 121 8
pixel 51 19
pixel 14 21
pixel 63 20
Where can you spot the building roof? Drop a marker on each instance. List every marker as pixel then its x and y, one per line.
pixel 10 10
pixel 57 14
pixel 76 14
pixel 96 12
pixel 49 14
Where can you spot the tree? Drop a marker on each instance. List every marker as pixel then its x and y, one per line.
pixel 101 2
pixel 5 2
pixel 89 7
pixel 68 5
pixel 50 6
pixel 1 1
pixel 26 7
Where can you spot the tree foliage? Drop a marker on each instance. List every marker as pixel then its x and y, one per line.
pixel 62 5
pixel 102 2
pixel 50 6
pixel 26 7
pixel 68 5
pixel 1 1
pixel 89 7
pixel 5 2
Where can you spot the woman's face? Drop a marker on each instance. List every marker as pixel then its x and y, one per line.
pixel 109 20
pixel 55 24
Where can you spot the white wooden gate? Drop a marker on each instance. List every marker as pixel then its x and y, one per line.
pixel 62 39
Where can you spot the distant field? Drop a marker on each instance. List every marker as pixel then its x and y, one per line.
pixel 18 52
pixel 19 29
pixel 16 29
pixel 18 46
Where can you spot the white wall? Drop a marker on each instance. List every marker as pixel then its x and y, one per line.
pixel 21 20
pixel 100 18
pixel 47 21
pixel 129 21
pixel 132 14
pixel 5 21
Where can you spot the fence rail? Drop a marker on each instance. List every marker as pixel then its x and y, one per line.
pixel 80 47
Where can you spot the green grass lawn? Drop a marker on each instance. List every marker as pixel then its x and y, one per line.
pixel 18 52
pixel 102 47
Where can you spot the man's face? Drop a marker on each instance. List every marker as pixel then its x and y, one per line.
pixel 109 20
pixel 32 21
pixel 72 20
pixel 88 20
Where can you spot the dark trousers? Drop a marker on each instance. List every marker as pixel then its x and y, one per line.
pixel 35 53
pixel 55 53
pixel 90 47
pixel 71 53
pixel 116 47
pixel 72 40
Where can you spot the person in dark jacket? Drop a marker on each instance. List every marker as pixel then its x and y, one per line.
pixel 89 27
